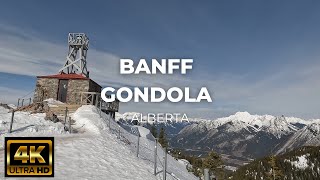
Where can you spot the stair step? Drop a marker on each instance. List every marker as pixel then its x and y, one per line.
pixel 60 109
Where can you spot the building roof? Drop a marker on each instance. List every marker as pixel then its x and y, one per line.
pixel 65 76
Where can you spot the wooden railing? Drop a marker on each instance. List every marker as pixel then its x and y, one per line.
pixel 94 98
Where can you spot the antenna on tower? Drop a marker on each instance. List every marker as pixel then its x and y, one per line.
pixel 76 61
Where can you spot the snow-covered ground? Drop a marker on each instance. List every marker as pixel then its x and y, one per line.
pixel 144 132
pixel 53 103
pixel 25 123
pixel 95 153
pixel 301 162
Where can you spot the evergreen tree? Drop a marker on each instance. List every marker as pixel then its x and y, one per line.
pixel 275 170
pixel 281 166
pixel 162 139
pixel 154 130
pixel 215 165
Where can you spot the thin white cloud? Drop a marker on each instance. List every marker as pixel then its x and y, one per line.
pixel 294 90
pixel 10 95
pixel 28 55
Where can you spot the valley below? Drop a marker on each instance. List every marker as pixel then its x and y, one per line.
pixel 242 137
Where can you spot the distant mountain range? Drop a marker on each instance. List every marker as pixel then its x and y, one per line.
pixel 242 137
pixel 172 129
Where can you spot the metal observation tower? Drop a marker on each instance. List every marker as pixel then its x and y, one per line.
pixel 76 61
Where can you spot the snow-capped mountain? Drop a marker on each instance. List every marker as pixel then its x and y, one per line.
pixel 244 135
pixel 172 127
pixel 239 137
pixel 306 136
pixel 276 126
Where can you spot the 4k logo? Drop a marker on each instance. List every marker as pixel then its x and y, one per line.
pixel 29 157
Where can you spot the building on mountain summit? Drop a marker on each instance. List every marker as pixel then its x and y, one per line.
pixel 72 84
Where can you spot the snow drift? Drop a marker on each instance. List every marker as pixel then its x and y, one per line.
pixel 93 153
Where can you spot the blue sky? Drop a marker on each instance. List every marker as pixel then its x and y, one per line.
pixel 255 56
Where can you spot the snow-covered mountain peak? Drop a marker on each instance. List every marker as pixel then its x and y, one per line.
pixel 277 126
pixel 309 135
pixel 242 114
pixel 314 128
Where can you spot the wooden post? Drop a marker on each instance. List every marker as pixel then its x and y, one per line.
pixel 92 98
pixel 97 100
pixel 65 116
pixel 18 102
pixel 109 122
pixel 138 145
pixel 70 130
pixel 165 164
pixel 100 104
pixel 119 132
pixel 12 117
pixel 22 102
pixel 29 101
pixel 155 157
